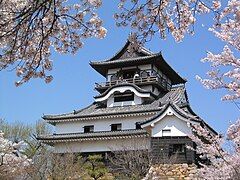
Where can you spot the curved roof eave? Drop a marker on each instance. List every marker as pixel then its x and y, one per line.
pixel 71 116
pixel 157 59
pixel 94 109
pixel 140 90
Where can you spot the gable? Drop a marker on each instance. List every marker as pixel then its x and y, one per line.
pixel 171 126
pixel 169 121
pixel 127 52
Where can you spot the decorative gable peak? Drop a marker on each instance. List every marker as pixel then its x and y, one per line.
pixel 129 51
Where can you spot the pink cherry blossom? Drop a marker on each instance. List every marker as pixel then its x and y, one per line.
pixel 12 162
pixel 29 29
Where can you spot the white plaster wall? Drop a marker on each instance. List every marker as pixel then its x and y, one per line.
pixel 123 103
pixel 148 88
pixel 144 67
pixel 137 100
pixel 99 124
pixel 122 90
pixel 103 145
pixel 111 103
pixel 108 78
pixel 177 126
pixel 156 91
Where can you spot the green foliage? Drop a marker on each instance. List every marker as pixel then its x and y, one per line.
pixel 95 168
pixel 18 131
pixel 48 165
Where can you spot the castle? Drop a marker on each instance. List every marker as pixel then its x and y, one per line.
pixel 143 104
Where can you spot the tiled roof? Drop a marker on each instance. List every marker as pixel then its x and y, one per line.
pixel 103 135
pixel 156 59
pixel 141 51
pixel 176 95
pixel 130 59
pixel 140 56
pixel 184 112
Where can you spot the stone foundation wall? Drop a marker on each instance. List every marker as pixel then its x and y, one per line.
pixel 172 172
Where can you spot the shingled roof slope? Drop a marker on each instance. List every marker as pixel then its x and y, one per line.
pixel 184 112
pixel 176 95
pixel 93 136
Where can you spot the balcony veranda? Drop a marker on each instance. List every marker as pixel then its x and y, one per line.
pixel 140 81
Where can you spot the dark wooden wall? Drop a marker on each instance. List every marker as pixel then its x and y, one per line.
pixel 162 150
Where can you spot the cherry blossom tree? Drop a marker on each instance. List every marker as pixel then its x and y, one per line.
pixel 225 74
pixel 12 162
pixel 221 155
pixel 226 29
pixel 29 29
pixel 161 17
pixel 178 17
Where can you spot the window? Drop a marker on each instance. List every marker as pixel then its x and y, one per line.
pixel 116 127
pixel 128 74
pixel 166 132
pixel 138 126
pixel 145 74
pixel 178 148
pixel 114 77
pixel 124 97
pixel 88 129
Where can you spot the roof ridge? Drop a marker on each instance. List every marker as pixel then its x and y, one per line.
pixel 93 134
pixel 145 50
pixel 118 52
pixel 130 58
pixel 69 113
pixel 102 132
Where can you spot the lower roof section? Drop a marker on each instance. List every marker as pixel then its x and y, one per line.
pixel 94 136
pixel 96 111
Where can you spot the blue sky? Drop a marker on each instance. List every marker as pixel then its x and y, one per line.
pixel 73 84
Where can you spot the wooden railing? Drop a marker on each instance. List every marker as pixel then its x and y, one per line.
pixel 138 80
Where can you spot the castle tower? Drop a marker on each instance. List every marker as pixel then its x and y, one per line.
pixel 143 104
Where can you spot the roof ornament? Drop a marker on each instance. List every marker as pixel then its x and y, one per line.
pixel 169 99
pixel 134 43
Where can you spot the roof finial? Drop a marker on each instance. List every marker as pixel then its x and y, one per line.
pixel 169 99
